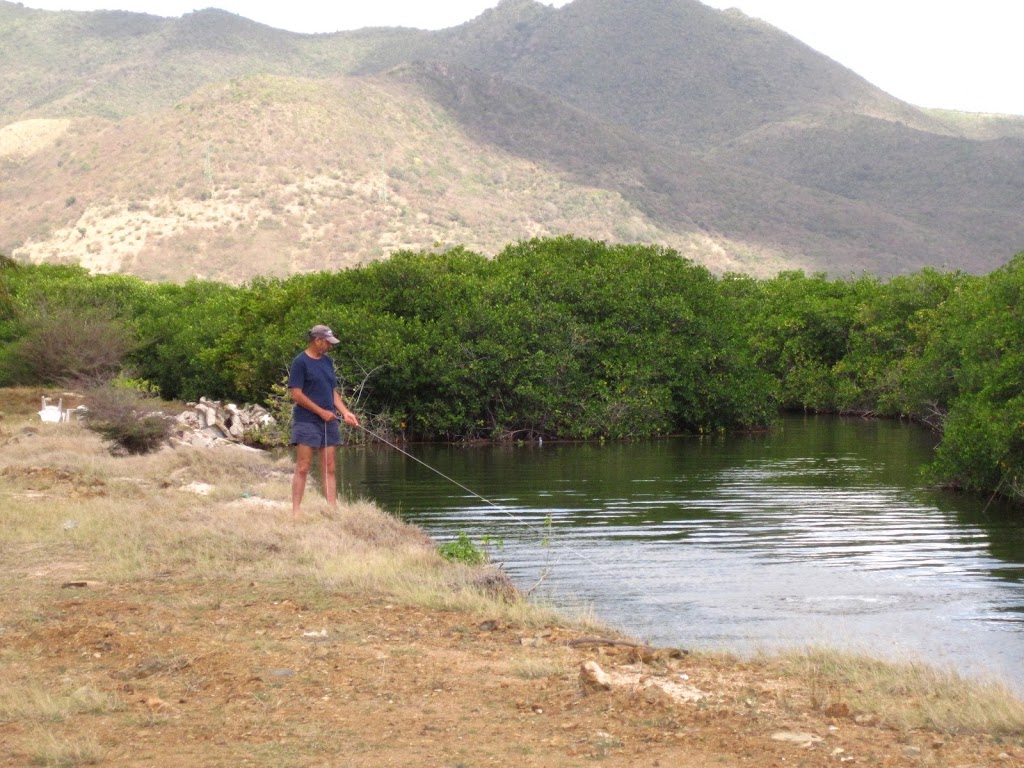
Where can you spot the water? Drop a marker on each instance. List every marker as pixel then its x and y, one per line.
pixel 820 533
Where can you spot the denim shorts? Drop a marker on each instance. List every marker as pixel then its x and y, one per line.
pixel 322 435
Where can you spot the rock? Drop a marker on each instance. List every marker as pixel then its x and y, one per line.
pixel 594 678
pixel 187 421
pixel 678 691
pixel 207 413
pixel 235 427
pixel 793 737
pixel 198 440
pixel 210 423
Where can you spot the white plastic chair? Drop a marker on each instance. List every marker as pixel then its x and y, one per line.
pixel 53 414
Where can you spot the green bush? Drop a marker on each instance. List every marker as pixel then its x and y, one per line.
pixel 276 434
pixel 463 550
pixel 973 367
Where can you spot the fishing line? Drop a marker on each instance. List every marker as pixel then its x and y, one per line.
pixel 446 477
pixel 620 578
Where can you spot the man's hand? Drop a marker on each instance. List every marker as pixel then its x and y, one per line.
pixel 346 414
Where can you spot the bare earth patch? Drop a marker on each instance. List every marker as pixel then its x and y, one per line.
pixel 217 673
pixel 29 136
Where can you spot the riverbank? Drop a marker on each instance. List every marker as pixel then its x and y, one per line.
pixel 165 610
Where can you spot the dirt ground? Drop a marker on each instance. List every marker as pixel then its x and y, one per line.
pixel 232 674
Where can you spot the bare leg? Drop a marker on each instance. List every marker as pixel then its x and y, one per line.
pixel 330 482
pixel 303 461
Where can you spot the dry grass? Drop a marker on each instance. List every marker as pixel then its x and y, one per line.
pixel 53 752
pixel 906 696
pixel 531 668
pixel 23 402
pixel 28 701
pixel 211 515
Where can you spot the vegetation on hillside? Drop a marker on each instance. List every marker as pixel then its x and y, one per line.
pixel 170 148
pixel 563 338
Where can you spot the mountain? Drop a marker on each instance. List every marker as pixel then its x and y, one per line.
pixel 214 146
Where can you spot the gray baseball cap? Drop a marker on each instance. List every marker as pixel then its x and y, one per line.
pixel 322 332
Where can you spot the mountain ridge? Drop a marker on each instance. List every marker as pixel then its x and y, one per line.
pixel 660 120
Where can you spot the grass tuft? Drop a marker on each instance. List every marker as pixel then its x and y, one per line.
pixel 903 695
pixel 53 752
pixel 31 702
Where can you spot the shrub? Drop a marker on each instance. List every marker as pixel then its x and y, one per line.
pixel 276 434
pixel 123 417
pixel 7 310
pixel 463 550
pixel 69 344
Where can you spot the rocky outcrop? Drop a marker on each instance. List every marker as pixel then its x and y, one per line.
pixel 210 422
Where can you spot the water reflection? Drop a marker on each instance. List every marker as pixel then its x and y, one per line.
pixel 817 533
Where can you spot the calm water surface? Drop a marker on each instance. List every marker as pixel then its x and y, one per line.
pixel 820 533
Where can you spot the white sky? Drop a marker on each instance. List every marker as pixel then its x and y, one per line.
pixel 954 54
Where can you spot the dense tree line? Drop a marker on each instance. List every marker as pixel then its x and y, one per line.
pixel 563 338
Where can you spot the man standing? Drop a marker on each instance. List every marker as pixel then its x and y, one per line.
pixel 313 386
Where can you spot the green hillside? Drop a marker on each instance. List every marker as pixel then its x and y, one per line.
pixel 212 145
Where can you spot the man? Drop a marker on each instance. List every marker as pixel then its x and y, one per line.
pixel 313 386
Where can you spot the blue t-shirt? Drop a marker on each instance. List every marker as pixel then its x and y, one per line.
pixel 316 379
